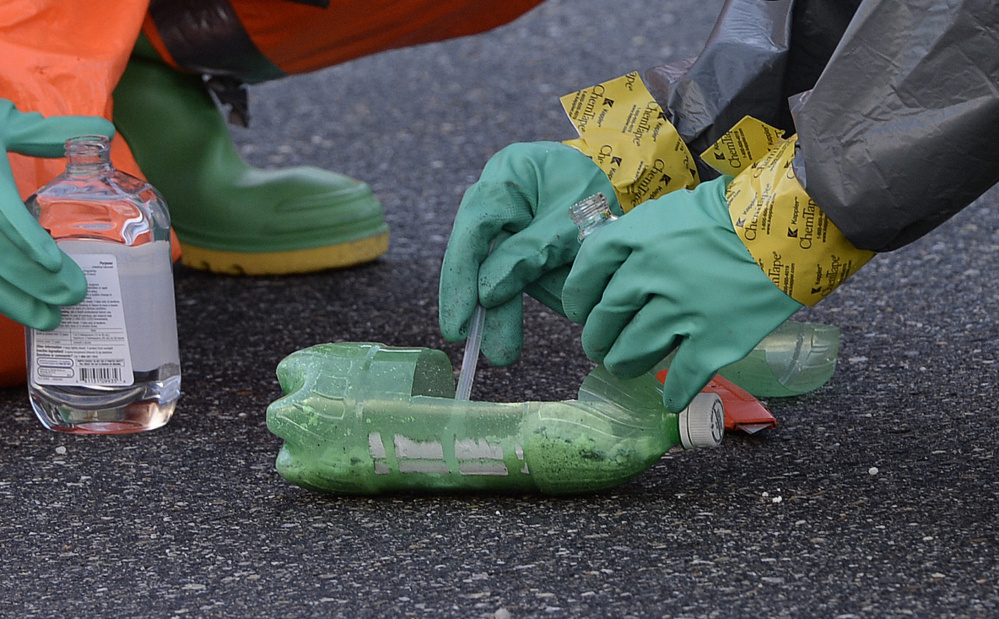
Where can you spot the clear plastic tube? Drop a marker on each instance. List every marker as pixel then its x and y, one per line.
pixel 470 359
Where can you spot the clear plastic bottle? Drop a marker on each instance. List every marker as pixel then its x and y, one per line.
pixel 797 357
pixel 113 364
pixel 590 214
pixel 364 418
pixel 794 359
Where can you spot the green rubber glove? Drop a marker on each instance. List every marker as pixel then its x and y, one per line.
pixel 521 202
pixel 672 273
pixel 36 277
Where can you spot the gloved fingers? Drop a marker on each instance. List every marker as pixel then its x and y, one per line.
pixel 603 326
pixel 479 226
pixel 724 334
pixel 617 306
pixel 548 288
pixel 689 371
pixel 591 274
pixel 456 303
pixel 26 309
pixel 503 332
pixel 30 133
pixel 459 284
pixel 644 341
pixel 523 258
pixel 65 286
pixel 19 229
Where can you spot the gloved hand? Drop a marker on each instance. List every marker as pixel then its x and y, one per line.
pixel 672 273
pixel 36 277
pixel 522 202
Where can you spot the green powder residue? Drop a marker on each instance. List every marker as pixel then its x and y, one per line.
pixel 364 419
pixel 582 451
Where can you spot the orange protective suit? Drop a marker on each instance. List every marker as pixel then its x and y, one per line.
pixel 63 57
pixel 297 37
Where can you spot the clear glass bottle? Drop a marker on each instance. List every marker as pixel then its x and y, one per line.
pixel 363 418
pixel 113 364
pixel 797 357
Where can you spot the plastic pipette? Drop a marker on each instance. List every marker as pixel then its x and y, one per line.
pixel 471 357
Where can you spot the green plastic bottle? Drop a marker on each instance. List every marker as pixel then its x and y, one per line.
pixel 364 418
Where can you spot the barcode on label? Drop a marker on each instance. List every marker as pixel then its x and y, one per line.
pixel 100 376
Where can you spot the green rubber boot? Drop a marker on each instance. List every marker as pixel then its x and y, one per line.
pixel 230 217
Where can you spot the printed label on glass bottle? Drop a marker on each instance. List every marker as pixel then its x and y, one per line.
pixel 90 345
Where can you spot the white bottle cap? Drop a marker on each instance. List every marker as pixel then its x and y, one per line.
pixel 702 423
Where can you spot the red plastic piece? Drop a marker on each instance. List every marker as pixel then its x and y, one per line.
pixel 742 411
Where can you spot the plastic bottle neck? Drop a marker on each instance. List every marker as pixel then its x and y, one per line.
pixel 88 155
pixel 589 214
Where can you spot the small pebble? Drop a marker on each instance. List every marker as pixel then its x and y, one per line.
pixel 60 450
pixel 872 471
pixel 502 614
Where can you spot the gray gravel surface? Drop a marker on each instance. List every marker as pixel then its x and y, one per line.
pixel 876 496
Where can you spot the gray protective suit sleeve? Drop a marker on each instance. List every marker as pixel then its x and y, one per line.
pixel 895 102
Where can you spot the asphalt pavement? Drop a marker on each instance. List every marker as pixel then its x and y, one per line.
pixel 876 496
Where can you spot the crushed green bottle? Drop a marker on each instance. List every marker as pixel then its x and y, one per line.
pixel 364 418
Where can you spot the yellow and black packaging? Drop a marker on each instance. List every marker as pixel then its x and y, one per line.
pixel 799 248
pixel 626 133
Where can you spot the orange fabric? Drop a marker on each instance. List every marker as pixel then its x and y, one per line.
pixel 299 38
pixel 12 361
pixel 65 58
pixel 55 65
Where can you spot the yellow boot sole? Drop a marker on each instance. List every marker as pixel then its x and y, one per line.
pixel 337 256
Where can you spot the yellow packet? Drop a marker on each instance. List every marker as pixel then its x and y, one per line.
pixel 748 141
pixel 626 133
